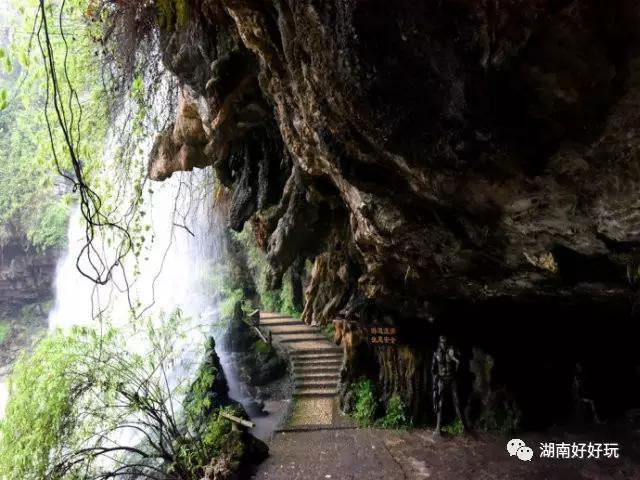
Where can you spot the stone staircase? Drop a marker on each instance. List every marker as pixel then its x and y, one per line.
pixel 316 364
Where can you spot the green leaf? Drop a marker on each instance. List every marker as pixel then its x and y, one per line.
pixel 23 58
pixel 8 66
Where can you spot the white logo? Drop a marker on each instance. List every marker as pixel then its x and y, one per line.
pixel 525 454
pixel 513 446
pixel 518 448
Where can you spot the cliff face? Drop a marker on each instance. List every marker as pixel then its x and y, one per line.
pixel 459 166
pixel 26 278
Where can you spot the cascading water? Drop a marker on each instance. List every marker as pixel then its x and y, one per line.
pixel 176 271
pixel 184 249
pixel 172 269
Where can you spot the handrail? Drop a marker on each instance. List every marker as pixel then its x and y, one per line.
pixel 241 421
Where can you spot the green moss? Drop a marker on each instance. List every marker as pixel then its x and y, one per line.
pixel 286 297
pixel 30 312
pixel 182 13
pixel 262 347
pixel 51 229
pixel 172 14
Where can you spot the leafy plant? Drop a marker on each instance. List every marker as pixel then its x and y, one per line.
pixel 75 396
pixel 366 404
pixel 396 414
pixel 330 331
pixel 51 228
pixel 454 428
pixel 31 209
pixel 271 300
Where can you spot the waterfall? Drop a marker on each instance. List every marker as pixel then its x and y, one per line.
pixel 183 248
pixel 173 267
pixel 183 245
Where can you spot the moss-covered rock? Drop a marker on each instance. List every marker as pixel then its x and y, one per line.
pixel 209 391
pixel 258 362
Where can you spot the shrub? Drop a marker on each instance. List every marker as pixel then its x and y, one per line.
pixel 72 397
pixel 51 229
pixel 396 415
pixel 454 428
pixel 366 404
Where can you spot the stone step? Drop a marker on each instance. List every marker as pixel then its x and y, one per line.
pixel 315 392
pixel 299 337
pixel 319 353
pixel 317 361
pixel 264 315
pixel 316 384
pixel 305 369
pixel 321 376
pixel 280 322
pixel 292 329
pixel 307 346
pixel 314 359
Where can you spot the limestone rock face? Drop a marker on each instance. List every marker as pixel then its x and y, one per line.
pixel 26 277
pixel 477 162
pixel 180 147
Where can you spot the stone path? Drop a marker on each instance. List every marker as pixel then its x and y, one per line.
pixel 317 442
pixel 370 454
pixel 316 364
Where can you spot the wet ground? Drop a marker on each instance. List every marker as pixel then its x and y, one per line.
pixel 370 454
pixel 267 406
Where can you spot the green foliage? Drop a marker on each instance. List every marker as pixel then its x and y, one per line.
pixel 51 228
pixel 30 208
pixel 286 297
pixel 78 389
pixel 40 405
pixel 330 331
pixel 228 290
pixel 366 404
pixel 5 329
pixel 172 14
pixel 3 99
pixel 271 300
pixel 454 428
pixel 229 299
pixel 396 414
